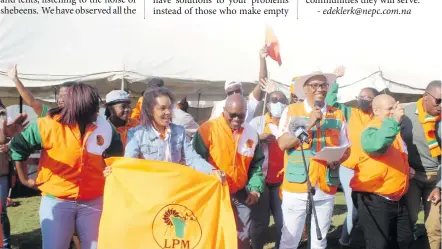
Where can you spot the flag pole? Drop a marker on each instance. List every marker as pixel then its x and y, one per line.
pixel 122 78
pixel 262 119
pixel 262 124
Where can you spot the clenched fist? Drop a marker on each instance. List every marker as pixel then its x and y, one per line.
pixel 398 112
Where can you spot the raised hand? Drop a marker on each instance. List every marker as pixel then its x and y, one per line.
pixel 339 71
pixel 268 86
pixel 398 112
pixel 12 73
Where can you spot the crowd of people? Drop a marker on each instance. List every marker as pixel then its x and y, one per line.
pixel 390 167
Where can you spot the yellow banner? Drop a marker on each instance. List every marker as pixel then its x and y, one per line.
pixel 159 205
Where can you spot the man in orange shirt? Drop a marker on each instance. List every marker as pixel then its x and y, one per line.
pixel 382 178
pixel 232 145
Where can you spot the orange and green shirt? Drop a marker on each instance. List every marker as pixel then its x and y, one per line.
pixel 237 153
pixel 71 166
pixel 383 169
pixel 44 111
pixel 332 133
pixel 357 121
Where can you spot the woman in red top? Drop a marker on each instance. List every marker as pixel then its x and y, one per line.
pixel 270 201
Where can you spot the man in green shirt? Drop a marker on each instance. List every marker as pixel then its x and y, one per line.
pixel 30 100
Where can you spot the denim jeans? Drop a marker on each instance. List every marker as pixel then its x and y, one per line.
pixel 59 219
pixel 242 218
pixel 345 175
pixel 6 227
pixel 269 202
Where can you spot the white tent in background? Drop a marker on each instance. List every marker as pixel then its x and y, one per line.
pixel 196 54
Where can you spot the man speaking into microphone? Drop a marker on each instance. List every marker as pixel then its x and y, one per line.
pixel 325 126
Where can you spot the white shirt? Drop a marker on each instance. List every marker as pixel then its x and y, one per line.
pixel 180 117
pixel 252 103
pixel 343 140
pixel 167 153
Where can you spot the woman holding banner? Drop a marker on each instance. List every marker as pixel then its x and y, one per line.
pixel 157 138
pixel 73 139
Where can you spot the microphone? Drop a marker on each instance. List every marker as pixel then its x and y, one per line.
pixel 297 127
pixel 320 104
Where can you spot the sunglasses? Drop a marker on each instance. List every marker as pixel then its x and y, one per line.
pixel 438 101
pixel 317 86
pixel 236 115
pixel 238 91
pixel 364 98
pixel 275 100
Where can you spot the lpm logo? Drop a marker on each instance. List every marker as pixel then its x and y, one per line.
pixel 176 227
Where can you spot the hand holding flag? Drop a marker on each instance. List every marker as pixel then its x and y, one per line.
pixel 272 44
pixel 263 52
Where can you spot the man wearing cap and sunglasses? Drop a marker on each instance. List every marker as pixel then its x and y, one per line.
pixel 418 130
pixel 326 127
pixel 235 87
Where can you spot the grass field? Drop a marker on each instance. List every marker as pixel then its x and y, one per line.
pixel 26 233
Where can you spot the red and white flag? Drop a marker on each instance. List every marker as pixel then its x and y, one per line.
pixel 272 43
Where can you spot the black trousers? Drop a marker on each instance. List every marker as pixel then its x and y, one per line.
pixel 386 224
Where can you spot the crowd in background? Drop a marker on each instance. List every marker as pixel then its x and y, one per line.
pixel 391 163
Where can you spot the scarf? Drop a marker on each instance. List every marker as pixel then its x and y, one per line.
pixel 269 120
pixel 429 124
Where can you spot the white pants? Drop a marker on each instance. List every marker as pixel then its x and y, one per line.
pixel 294 215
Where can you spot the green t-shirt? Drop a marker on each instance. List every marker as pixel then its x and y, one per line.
pixel 44 111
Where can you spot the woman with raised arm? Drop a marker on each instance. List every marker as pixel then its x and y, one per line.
pixel 73 140
pixel 40 109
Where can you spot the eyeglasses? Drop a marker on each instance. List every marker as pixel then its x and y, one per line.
pixel 317 86
pixel 364 98
pixel 235 115
pixel 238 91
pixel 275 100
pixel 438 101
